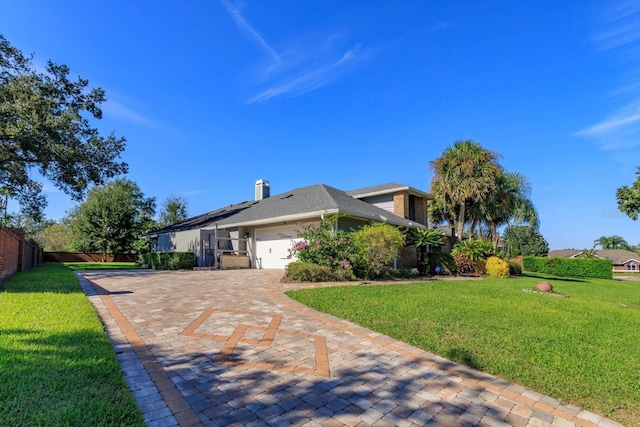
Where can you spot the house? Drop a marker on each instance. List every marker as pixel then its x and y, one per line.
pixel 259 233
pixel 623 261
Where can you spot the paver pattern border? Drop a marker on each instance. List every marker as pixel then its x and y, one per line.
pixel 453 394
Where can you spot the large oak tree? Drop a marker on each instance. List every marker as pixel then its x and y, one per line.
pixel 45 127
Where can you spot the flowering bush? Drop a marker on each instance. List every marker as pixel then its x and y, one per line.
pixel 497 267
pixel 324 245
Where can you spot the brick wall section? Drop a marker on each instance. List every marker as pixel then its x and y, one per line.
pixel 401 204
pixel 86 257
pixel 421 211
pixel 9 254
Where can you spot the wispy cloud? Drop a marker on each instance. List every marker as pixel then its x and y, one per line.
pixel 246 28
pixel 121 111
pixel 619 132
pixel 620 38
pixel 308 80
pixel 611 125
pixel 298 66
pixel 440 26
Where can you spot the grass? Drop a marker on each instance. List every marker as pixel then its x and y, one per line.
pixel 582 350
pixel 57 366
pixel 100 265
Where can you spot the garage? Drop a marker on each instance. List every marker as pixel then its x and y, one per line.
pixel 273 244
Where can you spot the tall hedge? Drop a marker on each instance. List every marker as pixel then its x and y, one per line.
pixel 170 260
pixel 570 267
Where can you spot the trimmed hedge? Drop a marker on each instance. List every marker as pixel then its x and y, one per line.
pixel 570 267
pixel 170 260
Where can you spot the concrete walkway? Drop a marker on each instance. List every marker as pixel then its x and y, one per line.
pixel 219 348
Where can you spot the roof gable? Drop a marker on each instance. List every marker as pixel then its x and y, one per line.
pixel 388 188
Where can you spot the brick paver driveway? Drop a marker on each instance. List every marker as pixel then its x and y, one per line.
pixel 229 348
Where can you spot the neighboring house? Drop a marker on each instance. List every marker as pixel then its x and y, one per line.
pixel 259 233
pixel 623 261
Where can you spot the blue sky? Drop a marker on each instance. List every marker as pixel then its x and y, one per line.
pixel 213 95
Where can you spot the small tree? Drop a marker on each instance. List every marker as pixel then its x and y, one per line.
pixel 377 246
pixel 112 219
pixel 523 240
pixel 55 238
pixel 174 210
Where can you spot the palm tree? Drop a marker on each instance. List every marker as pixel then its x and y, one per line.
pixel 611 242
pixel 509 201
pixel 465 172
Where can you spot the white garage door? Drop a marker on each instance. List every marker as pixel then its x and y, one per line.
pixel 273 244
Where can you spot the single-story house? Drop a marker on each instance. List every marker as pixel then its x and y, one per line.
pixel 259 233
pixel 623 261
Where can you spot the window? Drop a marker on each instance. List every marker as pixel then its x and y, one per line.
pixel 631 266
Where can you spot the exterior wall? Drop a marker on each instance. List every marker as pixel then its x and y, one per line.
pixel 9 250
pixel 350 224
pixel 17 253
pixel 421 211
pixel 384 201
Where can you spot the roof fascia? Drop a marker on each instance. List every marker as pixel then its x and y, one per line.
pixel 285 218
pixel 411 190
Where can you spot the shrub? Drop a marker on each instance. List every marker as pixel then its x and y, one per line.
pixel 377 246
pixel 309 272
pixel 170 260
pixel 470 256
pixel 515 269
pixel 464 265
pixel 443 260
pixel 570 267
pixel 322 245
pixel 497 267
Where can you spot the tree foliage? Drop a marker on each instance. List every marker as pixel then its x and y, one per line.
pixel 524 240
pixel 464 173
pixel 55 238
pixel 112 219
pixel 611 242
pixel 629 198
pixel 45 128
pixel 173 210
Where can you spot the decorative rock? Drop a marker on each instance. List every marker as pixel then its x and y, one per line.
pixel 544 287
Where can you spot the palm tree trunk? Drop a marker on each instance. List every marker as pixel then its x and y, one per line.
pixel 461 220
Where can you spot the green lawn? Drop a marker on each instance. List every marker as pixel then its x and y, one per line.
pixel 583 349
pixel 100 265
pixel 57 366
